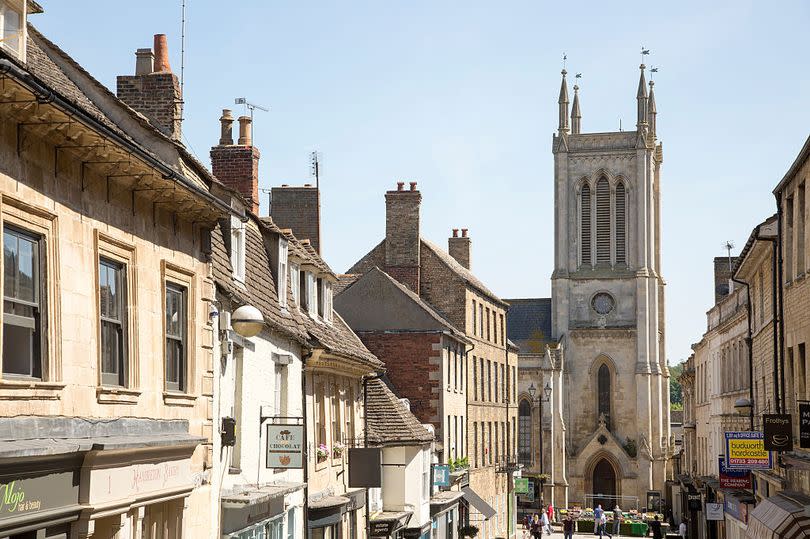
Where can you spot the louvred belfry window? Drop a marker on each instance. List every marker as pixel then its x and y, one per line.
pixel 602 222
pixel 621 225
pixel 585 225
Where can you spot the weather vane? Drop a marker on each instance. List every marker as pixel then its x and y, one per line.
pixel 565 57
pixel 653 70
pixel 644 52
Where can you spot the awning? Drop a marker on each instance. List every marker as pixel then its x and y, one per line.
pixel 444 500
pixel 483 507
pixel 326 511
pixel 785 515
pixel 386 523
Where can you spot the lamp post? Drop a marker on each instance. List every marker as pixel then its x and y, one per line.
pixel 540 400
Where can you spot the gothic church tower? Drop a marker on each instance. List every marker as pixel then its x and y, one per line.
pixel 608 305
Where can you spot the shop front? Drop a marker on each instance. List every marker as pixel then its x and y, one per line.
pixel 138 491
pixel 326 517
pixel 39 497
pixel 269 512
pixel 736 506
pixel 389 524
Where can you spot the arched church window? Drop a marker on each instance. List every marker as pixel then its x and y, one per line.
pixel 525 433
pixel 602 221
pixel 585 224
pixel 621 224
pixel 603 382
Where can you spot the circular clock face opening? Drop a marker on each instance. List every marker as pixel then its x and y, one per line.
pixel 603 303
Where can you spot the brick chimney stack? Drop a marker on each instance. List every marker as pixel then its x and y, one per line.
pixel 154 90
pixel 298 208
pixel 723 285
pixel 237 165
pixel 402 236
pixel 459 247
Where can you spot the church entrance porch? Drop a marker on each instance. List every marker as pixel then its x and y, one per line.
pixel 604 484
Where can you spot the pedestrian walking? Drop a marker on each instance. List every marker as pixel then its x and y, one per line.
pixel 655 528
pixel 682 529
pixel 597 516
pixel 568 527
pixel 617 519
pixel 535 526
pixel 546 526
pixel 550 512
pixel 603 526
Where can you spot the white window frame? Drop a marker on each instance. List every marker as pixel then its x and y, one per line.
pixel 282 272
pixel 295 282
pixel 7 43
pixel 238 249
pixel 312 295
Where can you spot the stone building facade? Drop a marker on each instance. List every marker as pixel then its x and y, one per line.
pixel 608 305
pixel 107 343
pixel 490 364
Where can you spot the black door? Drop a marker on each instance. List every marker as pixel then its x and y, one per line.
pixel 604 485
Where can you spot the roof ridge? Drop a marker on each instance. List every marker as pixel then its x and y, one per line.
pixel 468 276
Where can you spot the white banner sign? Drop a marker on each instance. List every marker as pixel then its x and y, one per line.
pixel 714 511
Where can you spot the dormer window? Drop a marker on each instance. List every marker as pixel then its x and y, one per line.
pixel 282 272
pixel 238 249
pixel 312 295
pixel 321 297
pixel 328 301
pixel 11 23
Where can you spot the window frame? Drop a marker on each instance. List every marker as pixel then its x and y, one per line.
pixel 238 249
pixel 183 279
pixel 120 270
pixel 38 321
pixel 19 51
pixel 283 264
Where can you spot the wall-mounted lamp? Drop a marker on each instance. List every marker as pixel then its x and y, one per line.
pixel 743 406
pixel 247 321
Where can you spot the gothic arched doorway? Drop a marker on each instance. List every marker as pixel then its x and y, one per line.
pixel 604 484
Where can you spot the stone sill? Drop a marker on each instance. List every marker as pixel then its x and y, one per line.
pixel 117 395
pixel 174 398
pixel 28 389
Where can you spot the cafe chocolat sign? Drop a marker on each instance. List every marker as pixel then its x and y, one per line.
pixel 778 432
pixel 285 446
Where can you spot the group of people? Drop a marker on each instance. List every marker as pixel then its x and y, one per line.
pixel 541 523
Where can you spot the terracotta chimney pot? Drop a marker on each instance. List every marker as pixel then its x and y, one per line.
pixel 162 54
pixel 464 232
pixel 400 186
pixel 455 232
pixel 413 186
pixel 245 131
pixel 226 128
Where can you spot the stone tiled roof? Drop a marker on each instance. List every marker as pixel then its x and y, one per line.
pixel 389 421
pixel 64 75
pixel 344 281
pixel 260 290
pixel 528 324
pixel 468 276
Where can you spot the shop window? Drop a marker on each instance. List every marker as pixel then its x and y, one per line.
pixel 176 331
pixel 24 311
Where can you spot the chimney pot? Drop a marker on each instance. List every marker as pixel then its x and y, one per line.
pixel 464 232
pixel 245 135
pixel 400 186
pixel 161 54
pixel 285 184
pixel 226 125
pixel 307 185
pixel 144 61
pixel 413 186
pixel 455 232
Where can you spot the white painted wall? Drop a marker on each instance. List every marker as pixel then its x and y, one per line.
pixel 403 483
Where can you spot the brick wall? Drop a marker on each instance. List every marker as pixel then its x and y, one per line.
pixel 410 359
pixel 459 248
pixel 442 288
pixel 721 276
pixel 156 96
pixel 298 208
pixel 238 168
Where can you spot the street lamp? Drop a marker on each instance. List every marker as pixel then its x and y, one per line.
pixel 247 321
pixel 547 391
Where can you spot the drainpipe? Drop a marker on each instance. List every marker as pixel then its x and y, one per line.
pixel 365 380
pixel 750 352
pixel 779 288
pixel 306 354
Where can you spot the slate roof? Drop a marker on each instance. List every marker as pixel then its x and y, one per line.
pixel 260 290
pixel 389 421
pixel 528 324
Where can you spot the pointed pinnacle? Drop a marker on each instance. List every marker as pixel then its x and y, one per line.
pixel 642 84
pixel 651 100
pixel 563 89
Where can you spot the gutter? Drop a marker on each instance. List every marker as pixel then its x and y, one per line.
pixel 778 287
pixel 44 95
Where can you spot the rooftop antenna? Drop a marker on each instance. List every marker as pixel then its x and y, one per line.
pixel 182 43
pixel 728 246
pixel 251 107
pixel 620 124
pixel 315 167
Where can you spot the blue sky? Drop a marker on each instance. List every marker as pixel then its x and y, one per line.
pixel 461 97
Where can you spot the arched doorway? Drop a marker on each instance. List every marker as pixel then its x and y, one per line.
pixel 604 484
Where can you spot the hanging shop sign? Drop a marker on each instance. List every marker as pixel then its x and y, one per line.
pixel 736 508
pixel 441 475
pixel 528 496
pixel 804 425
pixel 734 479
pixel 694 501
pixel 285 446
pixel 714 511
pixel 745 450
pixel 522 485
pixel 778 432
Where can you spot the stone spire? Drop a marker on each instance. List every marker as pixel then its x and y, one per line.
pixel 575 114
pixel 563 103
pixel 651 109
pixel 641 97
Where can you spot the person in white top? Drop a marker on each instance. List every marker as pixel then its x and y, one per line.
pixel 544 523
pixel 682 529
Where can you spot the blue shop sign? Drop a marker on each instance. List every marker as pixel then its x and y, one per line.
pixel 441 475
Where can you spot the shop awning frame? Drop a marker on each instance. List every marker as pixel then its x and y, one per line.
pixel 476 501
pixel 785 515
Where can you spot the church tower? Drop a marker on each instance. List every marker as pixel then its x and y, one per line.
pixel 608 305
